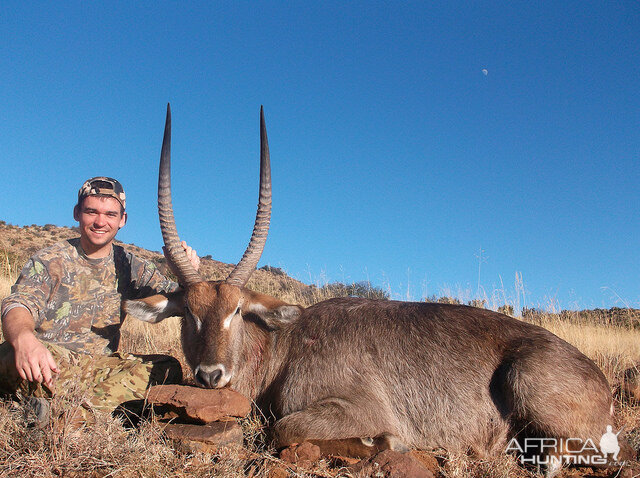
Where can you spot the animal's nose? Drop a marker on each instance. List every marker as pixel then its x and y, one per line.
pixel 209 379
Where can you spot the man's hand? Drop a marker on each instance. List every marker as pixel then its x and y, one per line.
pixel 33 361
pixel 191 254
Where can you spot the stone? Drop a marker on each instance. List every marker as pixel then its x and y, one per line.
pixel 304 454
pixel 428 460
pixel 205 438
pixel 391 464
pixel 278 472
pixel 198 405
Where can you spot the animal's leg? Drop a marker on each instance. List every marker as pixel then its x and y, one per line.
pixel 360 447
pixel 337 419
pixel 571 399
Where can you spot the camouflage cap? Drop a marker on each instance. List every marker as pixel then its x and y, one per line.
pixel 102 186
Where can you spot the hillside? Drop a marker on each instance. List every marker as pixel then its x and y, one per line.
pixel 17 244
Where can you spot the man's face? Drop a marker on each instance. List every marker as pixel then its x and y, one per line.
pixel 99 219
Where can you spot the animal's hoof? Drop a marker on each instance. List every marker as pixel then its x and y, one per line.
pixel 367 441
pixel 392 442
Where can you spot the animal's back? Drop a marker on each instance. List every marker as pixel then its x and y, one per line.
pixel 441 375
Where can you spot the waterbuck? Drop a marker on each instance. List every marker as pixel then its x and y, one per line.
pixel 414 375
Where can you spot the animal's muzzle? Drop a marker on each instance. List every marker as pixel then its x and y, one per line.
pixel 211 376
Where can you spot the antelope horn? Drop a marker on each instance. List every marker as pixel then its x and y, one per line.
pixel 242 272
pixel 187 275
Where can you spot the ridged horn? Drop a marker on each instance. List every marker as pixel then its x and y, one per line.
pixel 187 274
pixel 242 272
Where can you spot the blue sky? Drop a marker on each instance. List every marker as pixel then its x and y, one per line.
pixel 395 157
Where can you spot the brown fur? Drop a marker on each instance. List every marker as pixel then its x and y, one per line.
pixel 430 375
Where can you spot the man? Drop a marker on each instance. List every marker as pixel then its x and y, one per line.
pixel 62 320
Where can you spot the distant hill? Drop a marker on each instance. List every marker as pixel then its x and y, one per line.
pixel 18 243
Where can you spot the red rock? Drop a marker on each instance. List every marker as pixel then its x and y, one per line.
pixel 205 438
pixel 197 404
pixel 278 472
pixel 428 460
pixel 392 464
pixel 303 454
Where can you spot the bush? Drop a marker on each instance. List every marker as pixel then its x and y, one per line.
pixel 480 303
pixel 442 300
pixel 274 270
pixel 506 310
pixel 356 289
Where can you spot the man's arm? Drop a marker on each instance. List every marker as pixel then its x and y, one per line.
pixel 148 280
pixel 28 296
pixel 33 361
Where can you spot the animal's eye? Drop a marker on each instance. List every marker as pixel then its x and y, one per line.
pixel 198 323
pixel 195 319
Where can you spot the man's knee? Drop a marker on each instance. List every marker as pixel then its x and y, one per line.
pixel 163 369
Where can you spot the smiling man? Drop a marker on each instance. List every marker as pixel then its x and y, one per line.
pixel 100 217
pixel 63 315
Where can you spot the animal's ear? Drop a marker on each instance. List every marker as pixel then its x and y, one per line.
pixel 156 307
pixel 275 316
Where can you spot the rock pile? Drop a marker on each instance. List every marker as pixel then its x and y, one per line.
pixel 199 419
pixel 204 420
pixel 378 463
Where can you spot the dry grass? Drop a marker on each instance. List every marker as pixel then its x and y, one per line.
pixel 614 349
pixel 106 448
pixel 103 449
pixel 463 466
pixel 5 285
pixel 9 272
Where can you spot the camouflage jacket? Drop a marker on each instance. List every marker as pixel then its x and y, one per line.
pixel 75 301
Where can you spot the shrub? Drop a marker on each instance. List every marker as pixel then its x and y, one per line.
pixel 480 303
pixel 274 270
pixel 506 310
pixel 356 289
